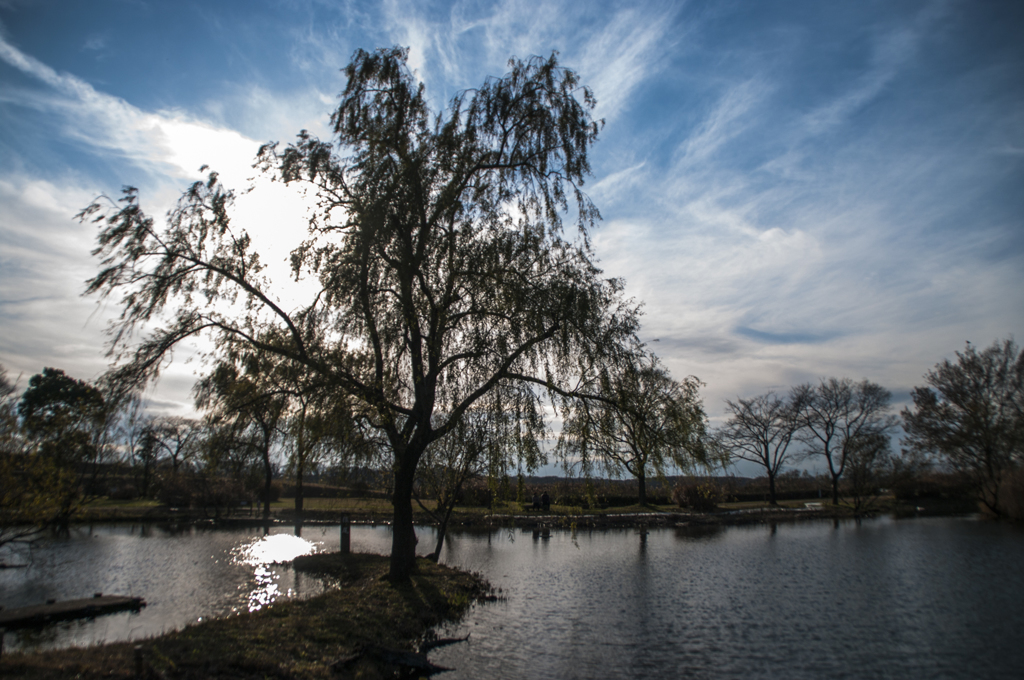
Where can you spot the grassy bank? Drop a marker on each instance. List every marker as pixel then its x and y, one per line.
pixel 291 639
pixel 330 510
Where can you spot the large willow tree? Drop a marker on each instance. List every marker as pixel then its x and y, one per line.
pixel 439 247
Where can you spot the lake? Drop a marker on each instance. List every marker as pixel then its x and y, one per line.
pixel 926 597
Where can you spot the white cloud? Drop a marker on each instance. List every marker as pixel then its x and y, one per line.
pixel 47 260
pixel 778 238
pixel 43 270
pixel 168 143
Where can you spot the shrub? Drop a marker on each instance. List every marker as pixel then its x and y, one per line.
pixel 700 496
pixel 476 493
pixel 314 490
pixel 223 494
pixel 199 491
pixel 275 491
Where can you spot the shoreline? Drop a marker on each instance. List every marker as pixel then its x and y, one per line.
pixel 568 518
pixel 365 627
pixel 359 626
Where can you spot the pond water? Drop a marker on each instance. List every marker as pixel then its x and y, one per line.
pixel 185 575
pixel 920 598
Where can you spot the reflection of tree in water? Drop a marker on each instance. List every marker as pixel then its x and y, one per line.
pixel 698 531
pixel 32 637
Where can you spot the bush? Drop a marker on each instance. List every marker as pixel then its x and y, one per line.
pixel 932 485
pixel 476 493
pixel 123 492
pixel 222 494
pixel 314 490
pixel 198 491
pixel 790 485
pixel 699 497
pixel 175 491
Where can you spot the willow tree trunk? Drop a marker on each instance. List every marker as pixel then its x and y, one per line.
pixel 300 463
pixel 268 478
pixel 403 533
pixel 641 485
pixel 145 479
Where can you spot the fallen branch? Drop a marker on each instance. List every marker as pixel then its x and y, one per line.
pixel 440 642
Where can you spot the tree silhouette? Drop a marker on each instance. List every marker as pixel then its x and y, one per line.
pixel 837 415
pixel 646 424
pixel 972 415
pixel 760 430
pixel 439 249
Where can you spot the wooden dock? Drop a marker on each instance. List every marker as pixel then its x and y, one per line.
pixel 39 615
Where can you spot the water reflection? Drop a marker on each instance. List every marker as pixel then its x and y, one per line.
pixel 272 549
pixel 698 531
pixel 262 553
pixel 186 573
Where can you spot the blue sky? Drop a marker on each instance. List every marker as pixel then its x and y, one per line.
pixel 794 189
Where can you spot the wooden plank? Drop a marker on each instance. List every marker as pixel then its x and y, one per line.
pixel 42 614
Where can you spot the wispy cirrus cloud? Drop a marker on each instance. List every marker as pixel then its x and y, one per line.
pixel 614 52
pixel 825 252
pixel 631 49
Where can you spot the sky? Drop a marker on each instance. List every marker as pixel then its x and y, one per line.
pixel 793 189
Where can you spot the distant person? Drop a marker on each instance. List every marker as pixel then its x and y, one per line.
pixel 536 501
pixel 545 501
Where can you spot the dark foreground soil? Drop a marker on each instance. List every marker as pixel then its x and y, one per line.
pixel 293 639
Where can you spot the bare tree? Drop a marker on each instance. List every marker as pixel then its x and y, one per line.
pixel 133 435
pixel 972 415
pixel 176 438
pixel 760 430
pixel 836 414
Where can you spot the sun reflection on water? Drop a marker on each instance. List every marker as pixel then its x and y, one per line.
pixel 262 553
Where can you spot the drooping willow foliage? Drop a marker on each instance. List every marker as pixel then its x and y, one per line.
pixel 648 425
pixel 445 273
